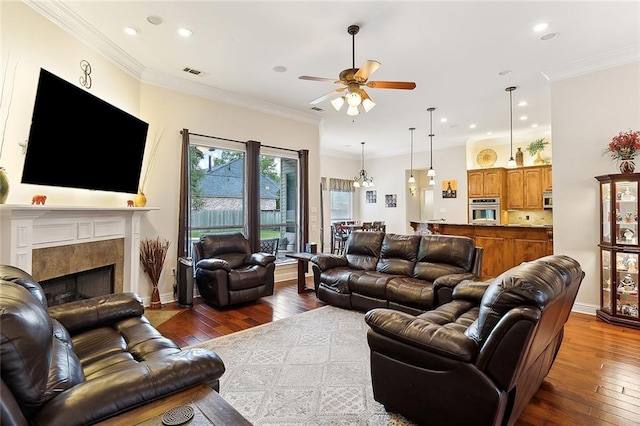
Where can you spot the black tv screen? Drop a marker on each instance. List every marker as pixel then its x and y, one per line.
pixel 80 141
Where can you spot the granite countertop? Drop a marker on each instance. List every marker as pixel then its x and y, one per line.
pixel 510 225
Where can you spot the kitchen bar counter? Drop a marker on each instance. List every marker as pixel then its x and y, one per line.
pixel 504 246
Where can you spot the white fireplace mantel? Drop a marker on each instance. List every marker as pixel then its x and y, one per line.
pixel 24 228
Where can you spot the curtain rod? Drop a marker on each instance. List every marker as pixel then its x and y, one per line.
pixel 233 140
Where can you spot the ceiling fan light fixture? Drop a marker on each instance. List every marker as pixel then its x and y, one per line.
pixel 352 110
pixel 368 105
pixel 337 103
pixel 354 98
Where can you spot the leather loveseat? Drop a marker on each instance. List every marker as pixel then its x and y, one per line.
pixel 82 362
pixel 411 273
pixel 480 358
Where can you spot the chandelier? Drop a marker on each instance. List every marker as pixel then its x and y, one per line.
pixel 361 179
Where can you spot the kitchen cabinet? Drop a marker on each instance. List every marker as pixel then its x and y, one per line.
pixel 486 183
pixel 619 249
pixel 525 186
pixel 503 246
pixel 547 175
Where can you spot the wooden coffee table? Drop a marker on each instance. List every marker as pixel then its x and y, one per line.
pixel 207 404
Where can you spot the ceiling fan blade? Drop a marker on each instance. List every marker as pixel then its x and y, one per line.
pixel 306 77
pixel 406 85
pixel 366 70
pixel 367 103
pixel 327 96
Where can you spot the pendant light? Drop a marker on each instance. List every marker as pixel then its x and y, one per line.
pixel 511 162
pixel 431 173
pixel 411 178
pixel 361 179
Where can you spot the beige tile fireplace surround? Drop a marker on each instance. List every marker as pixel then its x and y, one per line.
pixel 53 241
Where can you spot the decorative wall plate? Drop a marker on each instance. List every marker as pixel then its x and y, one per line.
pixel 486 158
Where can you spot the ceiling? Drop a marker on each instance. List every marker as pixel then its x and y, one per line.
pixel 454 51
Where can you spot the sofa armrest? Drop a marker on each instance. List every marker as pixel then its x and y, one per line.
pixel 113 393
pixel 422 334
pixel 261 259
pixel 211 264
pixel 97 311
pixel 471 290
pixel 452 280
pixel 328 261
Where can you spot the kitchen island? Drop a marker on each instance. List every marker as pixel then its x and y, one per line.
pixel 504 246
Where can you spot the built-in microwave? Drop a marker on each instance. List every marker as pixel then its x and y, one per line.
pixel 484 211
pixel 547 200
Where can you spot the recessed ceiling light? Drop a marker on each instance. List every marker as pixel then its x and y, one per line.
pixel 523 117
pixel 549 36
pixel 472 126
pixel 154 20
pixel 541 27
pixel 534 125
pixel 489 133
pixel 131 31
pixel 185 32
pixel 505 72
pixel 522 103
pixel 443 120
pixel 280 68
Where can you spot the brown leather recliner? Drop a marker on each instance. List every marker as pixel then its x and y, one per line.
pixel 227 272
pixel 82 362
pixel 479 358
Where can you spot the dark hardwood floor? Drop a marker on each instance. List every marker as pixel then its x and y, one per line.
pixel 595 379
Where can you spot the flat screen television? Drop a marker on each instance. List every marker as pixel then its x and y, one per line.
pixel 77 140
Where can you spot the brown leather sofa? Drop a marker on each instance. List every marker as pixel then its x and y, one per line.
pixel 410 273
pixel 481 357
pixel 227 272
pixel 82 362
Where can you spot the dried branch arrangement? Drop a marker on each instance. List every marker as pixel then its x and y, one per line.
pixel 153 253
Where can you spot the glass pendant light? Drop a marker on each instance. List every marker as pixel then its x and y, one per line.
pixel 511 162
pixel 431 173
pixel 411 178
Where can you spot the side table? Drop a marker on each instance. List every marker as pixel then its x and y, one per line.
pixel 303 259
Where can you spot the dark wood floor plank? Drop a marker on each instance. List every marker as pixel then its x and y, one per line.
pixel 595 379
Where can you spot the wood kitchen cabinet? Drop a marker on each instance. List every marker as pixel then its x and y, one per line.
pixel 525 186
pixel 547 175
pixel 486 183
pixel 503 246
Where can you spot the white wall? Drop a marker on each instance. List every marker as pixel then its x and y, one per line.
pixel 35 42
pixel 587 111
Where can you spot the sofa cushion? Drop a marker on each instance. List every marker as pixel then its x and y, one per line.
pixel 37 355
pixel 362 249
pixel 411 292
pixel 533 284
pixel 398 254
pixel 369 283
pixel 444 254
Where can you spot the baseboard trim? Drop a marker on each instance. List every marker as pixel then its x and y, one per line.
pixel 585 308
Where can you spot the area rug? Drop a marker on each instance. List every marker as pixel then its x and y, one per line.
pixel 309 369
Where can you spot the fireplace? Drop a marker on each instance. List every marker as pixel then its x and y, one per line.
pixel 79 285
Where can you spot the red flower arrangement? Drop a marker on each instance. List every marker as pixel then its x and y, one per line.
pixel 624 146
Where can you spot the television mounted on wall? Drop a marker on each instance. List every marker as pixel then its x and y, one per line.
pixel 78 140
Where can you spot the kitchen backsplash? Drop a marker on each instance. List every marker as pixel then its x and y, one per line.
pixel 534 217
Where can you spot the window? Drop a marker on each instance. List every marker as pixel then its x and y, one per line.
pixel 341 205
pixel 218 197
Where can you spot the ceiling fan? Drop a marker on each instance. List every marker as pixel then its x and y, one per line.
pixel 354 79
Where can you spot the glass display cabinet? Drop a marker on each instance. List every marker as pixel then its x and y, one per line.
pixel 619 249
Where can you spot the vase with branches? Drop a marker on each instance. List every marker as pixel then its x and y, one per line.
pixel 535 148
pixel 153 253
pixel 140 200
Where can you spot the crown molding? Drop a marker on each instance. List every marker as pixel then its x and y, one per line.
pixel 195 88
pixel 613 58
pixel 61 15
pixel 65 18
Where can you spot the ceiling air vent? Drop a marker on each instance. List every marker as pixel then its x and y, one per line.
pixel 315 108
pixel 192 71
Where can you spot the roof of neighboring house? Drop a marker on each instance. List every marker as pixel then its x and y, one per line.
pixel 227 180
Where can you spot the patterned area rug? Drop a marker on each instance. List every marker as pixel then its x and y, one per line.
pixel 309 369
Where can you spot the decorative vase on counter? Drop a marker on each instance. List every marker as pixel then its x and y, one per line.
pixel 4 185
pixel 519 158
pixel 627 165
pixel 539 161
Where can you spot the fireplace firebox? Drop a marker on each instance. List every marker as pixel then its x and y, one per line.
pixel 79 285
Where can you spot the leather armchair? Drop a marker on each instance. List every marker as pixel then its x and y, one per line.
pixel 227 272
pixel 82 362
pixel 481 357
